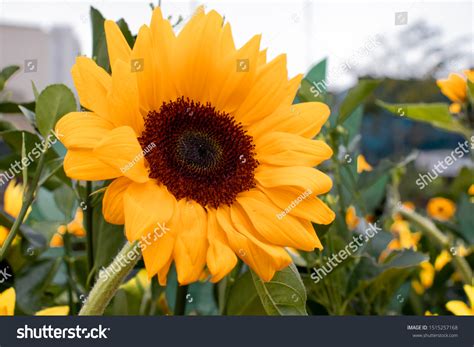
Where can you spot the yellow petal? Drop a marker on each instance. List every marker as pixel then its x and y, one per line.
pixel 278 148
pixel 459 308
pixel 163 47
pixel 120 149
pixel 82 164
pixel 54 311
pixel 294 176
pixel 300 203
pixel 7 302
pixel 220 257
pixel 82 129
pixel 263 258
pixel 147 206
pixel 267 92
pixel 351 218
pixel 92 84
pixel 195 55
pixel 191 242
pixel 454 87
pixel 263 214
pixel 117 46
pixel 304 119
pixel 122 100
pixel 56 240
pixel 112 204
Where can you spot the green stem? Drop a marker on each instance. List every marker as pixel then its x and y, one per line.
pixel 67 261
pixel 89 222
pixel 180 305
pixel 28 197
pixel 110 280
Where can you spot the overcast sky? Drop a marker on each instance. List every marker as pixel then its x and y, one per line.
pixel 306 30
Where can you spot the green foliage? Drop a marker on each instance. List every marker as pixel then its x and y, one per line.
pixel 54 102
pixel 6 73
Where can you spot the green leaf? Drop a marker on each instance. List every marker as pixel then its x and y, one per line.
pixel 99 44
pixel 470 91
pixel 6 73
pixel 30 115
pixel 243 299
pixel 313 86
pixel 13 107
pixel 436 114
pixel 53 103
pixel 465 216
pixel 122 24
pixel 284 295
pixel 355 97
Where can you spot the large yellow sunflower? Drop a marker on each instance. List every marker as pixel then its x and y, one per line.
pixel 203 142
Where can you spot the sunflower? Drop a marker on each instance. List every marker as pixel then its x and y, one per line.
pixel 459 308
pixel 441 208
pixel 201 139
pixel 455 88
pixel 7 306
pixel 75 227
pixel 12 200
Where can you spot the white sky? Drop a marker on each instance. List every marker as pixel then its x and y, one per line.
pixel 306 30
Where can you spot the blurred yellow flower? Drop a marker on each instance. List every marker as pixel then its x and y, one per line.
pixel 12 200
pixel 54 311
pixel 442 259
pixel 7 306
pixel 455 88
pixel 75 227
pixel 470 191
pixel 459 308
pixel 428 313
pixel 351 218
pixel 362 164
pixel 426 278
pixel 7 302
pixel 441 208
pixel 404 238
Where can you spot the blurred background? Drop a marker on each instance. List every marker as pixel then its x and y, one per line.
pixel 407 43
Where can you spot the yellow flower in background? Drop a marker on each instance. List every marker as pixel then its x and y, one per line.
pixel 351 218
pixel 404 238
pixel 7 306
pixel 442 259
pixel 202 141
pixel 75 227
pixel 7 302
pixel 12 200
pixel 54 311
pixel 441 208
pixel 362 164
pixel 455 88
pixel 428 313
pixel 470 191
pixel 426 278
pixel 459 308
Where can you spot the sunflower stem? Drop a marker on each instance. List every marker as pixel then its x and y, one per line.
pixel 67 262
pixel 110 279
pixel 180 305
pixel 28 197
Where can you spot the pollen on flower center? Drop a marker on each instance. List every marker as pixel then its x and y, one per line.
pixel 200 153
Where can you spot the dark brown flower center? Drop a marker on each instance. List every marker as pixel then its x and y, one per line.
pixel 199 153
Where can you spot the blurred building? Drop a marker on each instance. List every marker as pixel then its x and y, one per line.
pixel 44 57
